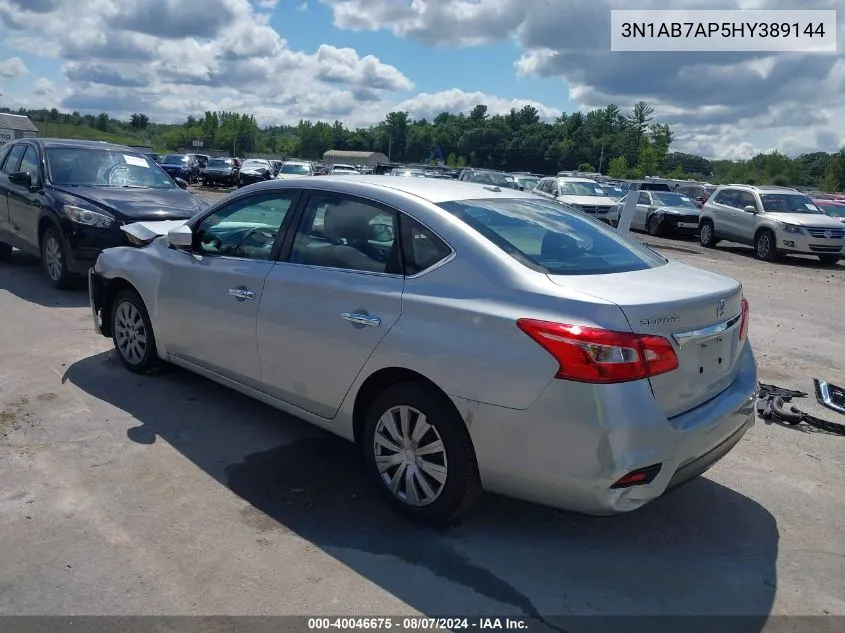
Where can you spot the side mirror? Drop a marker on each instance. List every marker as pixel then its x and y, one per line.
pixel 750 209
pixel 181 237
pixel 183 184
pixel 21 178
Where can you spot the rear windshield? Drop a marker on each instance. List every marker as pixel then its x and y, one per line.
pixel 673 200
pixel 836 210
pixel 549 238
pixel 220 162
pixel 173 159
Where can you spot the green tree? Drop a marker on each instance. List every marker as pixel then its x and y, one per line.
pixel 586 167
pixel 618 167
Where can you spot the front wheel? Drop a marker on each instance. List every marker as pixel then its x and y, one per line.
pixel 706 235
pixel 419 453
pixel 829 260
pixel 54 259
pixel 764 246
pixel 656 227
pixel 132 333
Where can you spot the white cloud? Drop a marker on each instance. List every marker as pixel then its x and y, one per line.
pixel 717 103
pixel 13 67
pixel 169 63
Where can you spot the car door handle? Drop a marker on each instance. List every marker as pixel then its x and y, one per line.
pixel 361 319
pixel 241 293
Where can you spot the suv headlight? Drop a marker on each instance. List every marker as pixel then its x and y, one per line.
pixel 791 228
pixel 88 217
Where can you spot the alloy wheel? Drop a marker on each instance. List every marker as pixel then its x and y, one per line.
pixel 410 456
pixel 53 258
pixel 130 333
pixel 764 244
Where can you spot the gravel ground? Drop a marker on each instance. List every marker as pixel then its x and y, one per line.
pixel 171 495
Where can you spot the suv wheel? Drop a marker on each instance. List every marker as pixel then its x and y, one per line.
pixel 706 234
pixel 765 246
pixel 829 260
pixel 53 259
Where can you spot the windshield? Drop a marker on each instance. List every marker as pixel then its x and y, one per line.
pixel 788 203
pixel 220 163
pixel 296 168
pixel 345 170
pixel 94 167
pixel 836 210
pixel 549 238
pixel 673 200
pixel 255 164
pixel 581 189
pixel 173 159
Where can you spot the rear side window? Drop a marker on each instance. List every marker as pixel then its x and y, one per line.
pixel 421 249
pixel 548 238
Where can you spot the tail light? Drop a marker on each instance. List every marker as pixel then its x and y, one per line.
pixel 595 355
pixel 746 316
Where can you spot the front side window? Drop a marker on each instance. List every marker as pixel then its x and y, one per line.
pixel 13 163
pixel 94 167
pixel 245 228
pixel 548 238
pixel 745 199
pixel 788 203
pixel 29 164
pixel 644 198
pixel 343 232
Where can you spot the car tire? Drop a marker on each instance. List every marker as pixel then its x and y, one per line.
pixel 827 260
pixel 706 233
pixel 449 484
pixel 655 226
pixel 765 246
pixel 54 259
pixel 132 333
pixel 5 251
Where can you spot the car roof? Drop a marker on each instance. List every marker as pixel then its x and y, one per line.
pixel 430 189
pixel 70 142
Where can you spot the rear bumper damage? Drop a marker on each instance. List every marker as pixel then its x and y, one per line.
pixel 577 441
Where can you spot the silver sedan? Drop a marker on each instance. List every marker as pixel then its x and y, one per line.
pixel 465 337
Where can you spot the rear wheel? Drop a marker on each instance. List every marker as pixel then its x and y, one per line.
pixel 132 333
pixel 54 259
pixel 706 234
pixel 829 260
pixel 419 453
pixel 764 246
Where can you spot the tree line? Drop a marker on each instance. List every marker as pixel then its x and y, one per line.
pixel 620 144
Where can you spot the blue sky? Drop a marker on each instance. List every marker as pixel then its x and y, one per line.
pixel 357 60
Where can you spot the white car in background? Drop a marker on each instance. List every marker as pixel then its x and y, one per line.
pixel 582 194
pixel 343 170
pixel 295 169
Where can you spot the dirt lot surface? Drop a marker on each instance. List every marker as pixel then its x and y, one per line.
pixel 172 495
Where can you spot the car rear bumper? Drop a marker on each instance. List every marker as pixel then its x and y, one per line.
pixel 569 448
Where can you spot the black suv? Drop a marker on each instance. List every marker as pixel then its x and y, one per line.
pixel 65 200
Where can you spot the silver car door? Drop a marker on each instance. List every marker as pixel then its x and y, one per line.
pixel 746 222
pixel 331 302
pixel 209 296
pixel 641 212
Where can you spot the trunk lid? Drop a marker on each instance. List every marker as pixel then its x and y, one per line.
pixel 696 310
